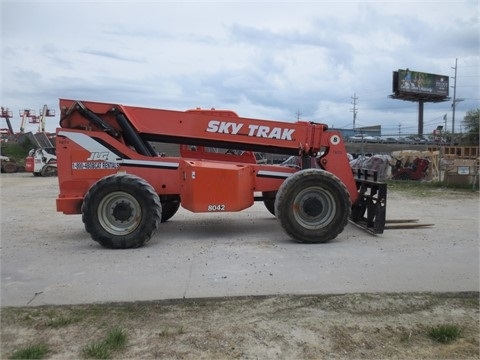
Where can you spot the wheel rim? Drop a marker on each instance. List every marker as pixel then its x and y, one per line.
pixel 119 213
pixel 314 208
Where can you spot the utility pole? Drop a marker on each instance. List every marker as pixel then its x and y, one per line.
pixel 454 97
pixel 354 110
pixel 298 114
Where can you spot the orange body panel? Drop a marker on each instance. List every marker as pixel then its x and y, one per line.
pixel 94 145
pixel 210 187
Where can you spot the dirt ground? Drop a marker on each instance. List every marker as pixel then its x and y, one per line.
pixel 354 326
pixel 393 325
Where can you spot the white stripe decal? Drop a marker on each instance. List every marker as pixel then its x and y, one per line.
pixel 150 163
pixel 90 145
pixel 273 173
pixel 94 146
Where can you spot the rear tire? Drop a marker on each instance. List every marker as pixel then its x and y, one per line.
pixel 313 206
pixel 269 201
pixel 121 211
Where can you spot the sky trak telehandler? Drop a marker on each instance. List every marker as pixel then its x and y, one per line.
pixel 109 172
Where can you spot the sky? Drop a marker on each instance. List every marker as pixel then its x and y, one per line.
pixel 270 60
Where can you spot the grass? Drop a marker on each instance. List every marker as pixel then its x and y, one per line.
pixel 115 340
pixel 96 351
pixel 37 351
pixel 444 333
pixel 17 151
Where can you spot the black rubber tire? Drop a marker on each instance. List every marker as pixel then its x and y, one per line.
pixel 313 206
pixel 121 211
pixel 269 201
pixel 169 208
pixel 49 170
pixel 9 168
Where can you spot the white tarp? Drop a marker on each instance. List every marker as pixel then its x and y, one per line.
pixel 378 163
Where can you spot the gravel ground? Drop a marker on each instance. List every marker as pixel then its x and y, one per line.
pixel 264 296
pixel 48 258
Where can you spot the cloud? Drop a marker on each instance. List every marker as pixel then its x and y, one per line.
pixel 267 59
pixel 110 55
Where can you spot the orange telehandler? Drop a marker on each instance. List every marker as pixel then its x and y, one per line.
pixel 109 172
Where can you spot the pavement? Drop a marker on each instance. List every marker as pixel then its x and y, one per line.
pixel 48 258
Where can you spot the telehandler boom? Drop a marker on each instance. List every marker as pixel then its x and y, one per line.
pixel 109 172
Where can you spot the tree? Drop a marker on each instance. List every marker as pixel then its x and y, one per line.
pixel 471 122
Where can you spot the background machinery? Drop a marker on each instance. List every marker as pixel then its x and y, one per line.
pixel 7 115
pixel 109 172
pixel 44 113
pixel 42 162
pixel 27 114
pixel 417 170
pixel 8 165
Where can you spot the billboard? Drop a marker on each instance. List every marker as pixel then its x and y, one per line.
pixel 415 82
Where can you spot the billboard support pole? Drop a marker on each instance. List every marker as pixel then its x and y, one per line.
pixel 420 118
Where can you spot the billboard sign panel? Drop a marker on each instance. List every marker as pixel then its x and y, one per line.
pixel 421 83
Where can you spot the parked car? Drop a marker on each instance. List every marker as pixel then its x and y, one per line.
pixel 356 138
pixel 364 138
pixel 404 140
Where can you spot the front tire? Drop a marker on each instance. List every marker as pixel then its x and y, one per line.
pixel 121 211
pixel 169 208
pixel 313 206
